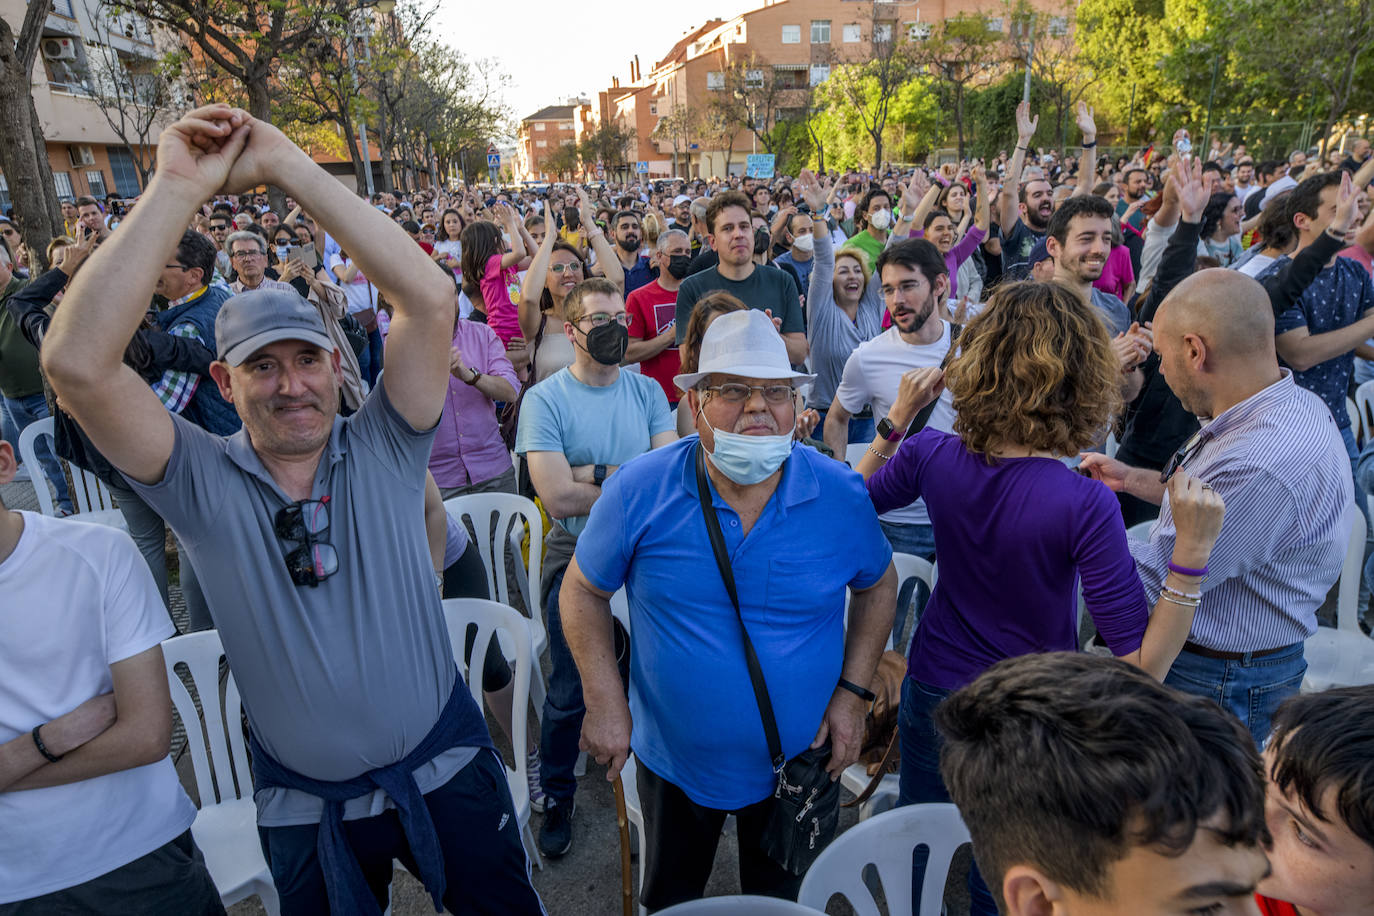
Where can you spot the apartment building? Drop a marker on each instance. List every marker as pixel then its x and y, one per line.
pixel 545 131
pixel 84 48
pixel 799 41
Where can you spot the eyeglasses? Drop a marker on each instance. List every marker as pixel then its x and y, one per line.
pixel 574 266
pixel 315 560
pixel 245 255
pixel 601 319
pixel 734 393
pixel 908 288
pixel 1185 453
pixel 175 267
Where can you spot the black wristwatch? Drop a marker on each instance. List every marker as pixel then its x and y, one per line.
pixel 890 432
pixel 599 474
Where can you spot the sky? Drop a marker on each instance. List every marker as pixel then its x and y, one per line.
pixel 553 49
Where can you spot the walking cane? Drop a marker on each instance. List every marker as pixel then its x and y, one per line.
pixel 623 822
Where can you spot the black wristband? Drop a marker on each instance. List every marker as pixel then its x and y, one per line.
pixel 1023 148
pixel 598 474
pixel 43 748
pixel 864 694
pixel 1090 145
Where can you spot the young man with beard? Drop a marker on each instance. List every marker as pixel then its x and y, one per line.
pixel 576 428
pixel 914 283
pixel 1023 213
pixel 628 237
pixel 1079 238
pixel 653 310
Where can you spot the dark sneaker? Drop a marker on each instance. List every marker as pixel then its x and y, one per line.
pixel 555 837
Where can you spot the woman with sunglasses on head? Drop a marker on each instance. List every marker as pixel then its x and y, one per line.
pixel 555 269
pixel 1035 381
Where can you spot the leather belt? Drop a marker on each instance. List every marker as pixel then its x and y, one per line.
pixel 1224 656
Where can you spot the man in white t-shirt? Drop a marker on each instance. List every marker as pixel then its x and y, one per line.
pixel 92 816
pixel 914 281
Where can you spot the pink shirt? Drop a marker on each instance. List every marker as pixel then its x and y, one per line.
pixel 500 290
pixel 1117 274
pixel 467 446
pixel 1356 253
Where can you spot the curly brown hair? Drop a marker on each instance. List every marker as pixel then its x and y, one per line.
pixel 1035 368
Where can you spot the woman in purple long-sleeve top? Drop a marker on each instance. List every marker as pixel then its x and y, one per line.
pixel 1015 528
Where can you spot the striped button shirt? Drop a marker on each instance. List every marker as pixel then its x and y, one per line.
pixel 1278 462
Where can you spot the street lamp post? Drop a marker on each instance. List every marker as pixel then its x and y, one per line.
pixel 360 30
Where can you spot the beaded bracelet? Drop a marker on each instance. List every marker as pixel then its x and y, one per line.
pixel 1176 592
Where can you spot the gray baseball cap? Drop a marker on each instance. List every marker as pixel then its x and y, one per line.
pixel 255 318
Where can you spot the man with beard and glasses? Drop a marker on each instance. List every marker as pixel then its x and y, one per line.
pixel 653 311
pixel 914 283
pixel 576 428
pixel 1023 210
pixel 307 529
pixel 628 237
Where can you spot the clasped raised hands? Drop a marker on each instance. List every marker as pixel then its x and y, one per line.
pixel 217 149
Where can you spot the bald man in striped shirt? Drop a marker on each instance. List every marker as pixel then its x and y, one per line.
pixel 1272 452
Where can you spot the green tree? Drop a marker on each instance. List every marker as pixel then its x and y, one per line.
pixel 870 81
pixel 960 52
pixel 23 151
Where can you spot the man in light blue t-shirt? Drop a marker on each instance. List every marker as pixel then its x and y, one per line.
pixel 576 428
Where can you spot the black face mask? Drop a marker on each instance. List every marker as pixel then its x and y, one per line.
pixel 761 239
pixel 607 344
pixel 677 265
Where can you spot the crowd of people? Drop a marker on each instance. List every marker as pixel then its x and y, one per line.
pixel 735 399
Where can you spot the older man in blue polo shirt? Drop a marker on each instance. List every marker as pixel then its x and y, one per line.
pixel 798 532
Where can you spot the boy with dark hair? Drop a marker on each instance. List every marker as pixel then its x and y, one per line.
pixel 1320 805
pixel 1090 788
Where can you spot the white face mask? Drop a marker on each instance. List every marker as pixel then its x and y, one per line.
pixel 880 220
pixel 804 242
pixel 748 459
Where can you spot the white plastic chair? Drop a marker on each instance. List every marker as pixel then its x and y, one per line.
pixel 489 513
pixel 887 842
pixel 491 618
pixel 1364 412
pixel 1343 656
pixel 90 498
pixel 854 453
pixel 741 905
pixel 855 777
pixel 225 828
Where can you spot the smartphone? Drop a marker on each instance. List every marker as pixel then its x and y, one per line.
pixel 305 254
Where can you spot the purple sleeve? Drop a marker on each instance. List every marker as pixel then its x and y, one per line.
pixel 498 363
pixel 966 245
pixel 1112 590
pixel 898 482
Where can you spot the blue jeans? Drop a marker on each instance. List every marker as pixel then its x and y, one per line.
pixel 1252 688
pixel 19 413
pixel 919 541
pixel 560 733
pixel 1361 500
pixel 374 356
pixel 920 782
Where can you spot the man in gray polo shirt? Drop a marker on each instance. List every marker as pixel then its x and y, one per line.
pixel 310 528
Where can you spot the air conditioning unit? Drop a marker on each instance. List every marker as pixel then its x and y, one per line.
pixel 81 154
pixel 59 49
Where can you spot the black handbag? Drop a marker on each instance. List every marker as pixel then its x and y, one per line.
pixel 806 802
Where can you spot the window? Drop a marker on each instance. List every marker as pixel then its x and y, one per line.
pixel 62 181
pixel 994 23
pixel 790 76
pixel 1059 26
pixel 753 79
pixel 95 181
pixel 67 76
pixel 853 33
pixel 882 32
pixel 715 79
pixel 4 192
pixel 540 144
pixel 791 34
pixel 820 31
pixel 918 31
pixel 538 125
pixel 123 170
pixel 819 73
pixel 63 8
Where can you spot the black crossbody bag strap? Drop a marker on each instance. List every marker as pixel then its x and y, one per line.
pixel 922 417
pixel 770 724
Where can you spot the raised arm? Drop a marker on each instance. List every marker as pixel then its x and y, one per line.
pixel 983 217
pixel 1087 165
pixel 507 215
pixel 536 277
pixel 922 195
pixel 1008 213
pixel 84 348
pixel 606 258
